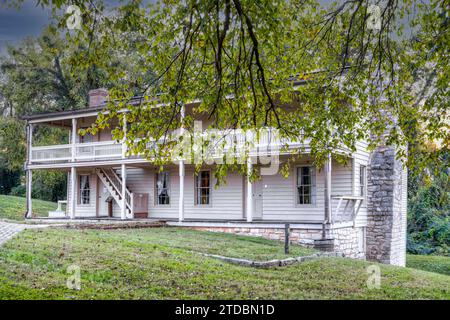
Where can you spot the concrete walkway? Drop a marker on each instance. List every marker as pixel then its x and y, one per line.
pixel 9 230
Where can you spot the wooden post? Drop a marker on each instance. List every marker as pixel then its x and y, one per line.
pixel 74 138
pixel 181 201
pixel 181 173
pixel 73 191
pixel 29 174
pixel 123 214
pixel 286 238
pixel 29 177
pixel 328 204
pixel 132 205
pixel 249 191
pixel 124 144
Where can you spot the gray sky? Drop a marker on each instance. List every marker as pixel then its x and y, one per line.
pixel 16 24
pixel 29 20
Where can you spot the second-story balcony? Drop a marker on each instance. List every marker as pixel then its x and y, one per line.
pixel 78 152
pixel 214 143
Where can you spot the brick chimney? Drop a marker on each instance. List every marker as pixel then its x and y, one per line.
pixel 97 97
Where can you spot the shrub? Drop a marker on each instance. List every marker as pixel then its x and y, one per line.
pixel 18 191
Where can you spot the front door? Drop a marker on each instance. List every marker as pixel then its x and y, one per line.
pixel 257 199
pixel 103 194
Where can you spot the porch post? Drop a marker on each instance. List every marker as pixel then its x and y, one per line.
pixel 327 213
pixel 29 175
pixel 73 191
pixel 124 145
pixel 181 171
pixel 123 214
pixel 181 203
pixel 249 191
pixel 74 138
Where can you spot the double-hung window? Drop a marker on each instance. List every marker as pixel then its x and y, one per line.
pixel 85 189
pixel 162 188
pixel 306 185
pixel 203 188
pixel 362 181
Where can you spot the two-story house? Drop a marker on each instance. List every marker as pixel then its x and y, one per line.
pixel 358 208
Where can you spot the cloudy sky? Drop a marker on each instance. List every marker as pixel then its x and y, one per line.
pixel 29 20
pixel 17 24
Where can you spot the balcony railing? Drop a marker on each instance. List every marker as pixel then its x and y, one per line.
pixel 218 140
pixel 98 150
pixel 83 151
pixel 51 153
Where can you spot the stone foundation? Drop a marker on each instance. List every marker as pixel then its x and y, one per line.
pixel 350 241
pixel 345 240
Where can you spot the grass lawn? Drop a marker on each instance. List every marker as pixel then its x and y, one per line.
pixel 159 264
pixel 14 208
pixel 438 264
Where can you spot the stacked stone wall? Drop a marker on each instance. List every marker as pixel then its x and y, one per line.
pixel 386 226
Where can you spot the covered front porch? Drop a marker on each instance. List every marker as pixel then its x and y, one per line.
pixel 182 197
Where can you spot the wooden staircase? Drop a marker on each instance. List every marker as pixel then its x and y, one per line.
pixel 113 184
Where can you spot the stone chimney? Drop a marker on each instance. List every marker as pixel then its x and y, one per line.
pixel 97 97
pixel 386 207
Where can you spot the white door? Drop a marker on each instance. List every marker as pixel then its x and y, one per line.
pixel 257 199
pixel 103 194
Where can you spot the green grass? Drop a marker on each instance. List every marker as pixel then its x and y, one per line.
pixel 13 208
pixel 438 264
pixel 159 264
pixel 253 248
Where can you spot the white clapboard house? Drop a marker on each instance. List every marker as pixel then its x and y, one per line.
pixel 358 208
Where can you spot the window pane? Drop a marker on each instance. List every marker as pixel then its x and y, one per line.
pixel 306 199
pixel 300 195
pixel 84 189
pixel 305 171
pixel 305 185
pixel 203 187
pixel 306 180
pixel 307 190
pixel 162 188
pixel 362 180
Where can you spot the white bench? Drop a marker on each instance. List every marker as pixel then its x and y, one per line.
pixel 59 212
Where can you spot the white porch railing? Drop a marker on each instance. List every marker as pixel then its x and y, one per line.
pixel 98 150
pixel 51 153
pixel 83 151
pixel 218 140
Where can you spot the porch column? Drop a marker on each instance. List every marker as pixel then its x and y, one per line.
pixel 124 145
pixel 327 193
pixel 181 203
pixel 249 199
pixel 29 175
pixel 181 171
pixel 74 138
pixel 123 214
pixel 73 192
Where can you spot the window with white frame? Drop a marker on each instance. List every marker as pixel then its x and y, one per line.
pixel 85 189
pixel 306 185
pixel 162 188
pixel 362 180
pixel 203 188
